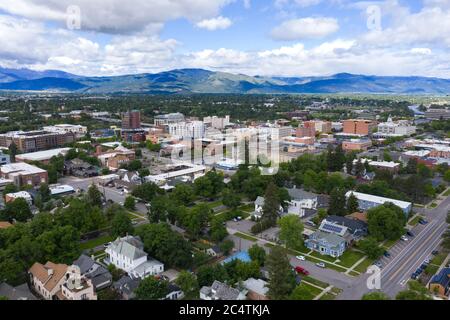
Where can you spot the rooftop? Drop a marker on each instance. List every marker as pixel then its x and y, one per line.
pixel 21 167
pixel 379 200
pixel 43 155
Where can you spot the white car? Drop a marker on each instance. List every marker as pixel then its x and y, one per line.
pixel 302 258
pixel 404 238
pixel 321 265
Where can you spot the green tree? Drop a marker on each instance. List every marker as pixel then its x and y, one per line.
pixel 152 289
pixel 257 254
pixel 10 188
pixel 130 203
pixel 197 220
pixel 12 152
pixel 376 295
pixel 18 210
pixel 188 284
pixel 230 199
pixel 271 205
pixel 338 202
pixel 45 193
pixel 121 225
pixel 94 196
pixel 207 274
pixel 218 231
pixel 371 247
pixel 61 244
pixel 282 278
pixel 415 292
pixel 147 191
pixel 352 204
pixel 183 194
pixel 447 176
pixel 226 247
pixel 291 231
pixel 386 222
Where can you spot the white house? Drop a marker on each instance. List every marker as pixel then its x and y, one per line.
pixel 128 255
pixel 259 204
pixel 301 201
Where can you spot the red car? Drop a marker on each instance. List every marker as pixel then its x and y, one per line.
pixel 301 270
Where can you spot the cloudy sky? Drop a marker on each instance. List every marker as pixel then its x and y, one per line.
pixel 255 37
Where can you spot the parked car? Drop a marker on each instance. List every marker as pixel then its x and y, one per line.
pixel 378 264
pixel 301 258
pixel 321 265
pixel 311 223
pixel 301 270
pixel 435 252
pixel 423 221
pixel 414 276
pixel 409 234
pixel 387 254
pixel 404 238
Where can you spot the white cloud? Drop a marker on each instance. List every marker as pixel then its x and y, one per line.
pixel 421 51
pixel 114 16
pixel 215 23
pixel 305 28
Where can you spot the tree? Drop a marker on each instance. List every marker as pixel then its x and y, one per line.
pixel 12 152
pixel 282 277
pixel 352 204
pixel 447 176
pixel 411 167
pixel 121 225
pixel 147 191
pixel 376 295
pixel 144 172
pixel 257 254
pixel 226 247
pixel 207 274
pixel 188 284
pixel 359 168
pixel 45 193
pixel 197 220
pixel 230 199
pixel 386 222
pixel 371 248
pixel 94 196
pixel 271 205
pixel 183 194
pixel 218 231
pixel 130 203
pixel 18 210
pixel 152 289
pixel 10 188
pixel 210 185
pixel 337 202
pixel 291 231
pixel 60 244
pixel 415 292
pixel 166 245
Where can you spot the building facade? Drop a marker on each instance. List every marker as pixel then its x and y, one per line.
pixel 359 127
pixel 33 141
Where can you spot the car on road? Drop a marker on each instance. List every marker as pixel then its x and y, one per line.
pixel 321 265
pixel 409 234
pixel 387 254
pixel 301 270
pixel 404 238
pixel 301 258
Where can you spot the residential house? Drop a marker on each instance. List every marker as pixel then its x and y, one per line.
pixel 355 228
pixel 257 289
pixel 131 177
pixel 326 243
pixel 76 286
pixel 128 254
pixel 213 251
pixel 221 291
pixel 101 278
pixel 10 197
pixel 368 201
pixel 301 201
pixel 114 159
pixel 47 279
pixel 175 293
pixel 21 292
pixel 440 283
pixel 259 205
pixel 126 286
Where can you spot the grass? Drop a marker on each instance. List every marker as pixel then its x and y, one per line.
pixel 431 269
pixel 96 242
pixel 328 296
pixel 312 291
pixel 316 282
pixel 245 236
pixel 389 244
pixel 362 267
pixel 433 205
pixel 349 258
pixel 447 193
pixel 323 257
pixel 437 260
pixel 415 221
pixel 247 208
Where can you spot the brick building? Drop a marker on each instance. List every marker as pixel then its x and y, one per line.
pixel 22 174
pixel 33 141
pixel 359 127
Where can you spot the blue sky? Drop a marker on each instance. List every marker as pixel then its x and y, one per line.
pixel 255 37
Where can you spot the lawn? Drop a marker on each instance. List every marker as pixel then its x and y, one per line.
pixel 437 260
pixel 312 291
pixel 96 242
pixel 415 221
pixel 389 244
pixel 431 270
pixel 362 267
pixel 447 193
pixel 247 208
pixel 433 205
pixel 245 236
pixel 316 282
pixel 328 296
pixel 350 257
pixel 323 257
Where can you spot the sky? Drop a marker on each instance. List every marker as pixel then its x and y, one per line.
pixel 253 37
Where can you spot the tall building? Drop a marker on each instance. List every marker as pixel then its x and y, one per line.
pixel 33 141
pixel 78 130
pixel 131 120
pixel 359 127
pixel 171 118
pixel 397 128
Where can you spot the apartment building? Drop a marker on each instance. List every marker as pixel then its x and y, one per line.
pixel 131 120
pixel 166 119
pixel 359 127
pixel 395 128
pixel 33 141
pixel 78 130
pixel 23 174
pixel 356 145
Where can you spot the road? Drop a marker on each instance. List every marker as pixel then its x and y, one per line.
pixel 396 273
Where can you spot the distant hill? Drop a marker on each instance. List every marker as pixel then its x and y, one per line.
pixel 204 81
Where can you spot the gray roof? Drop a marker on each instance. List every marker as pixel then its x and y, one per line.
pixel 126 285
pixel 330 239
pixel 300 194
pixel 99 275
pixel 224 291
pixel 21 292
pixel 84 262
pixel 355 227
pixel 150 263
pixel 259 201
pixel 256 285
pixel 130 247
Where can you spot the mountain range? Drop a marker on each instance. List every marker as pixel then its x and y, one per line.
pixel 186 81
